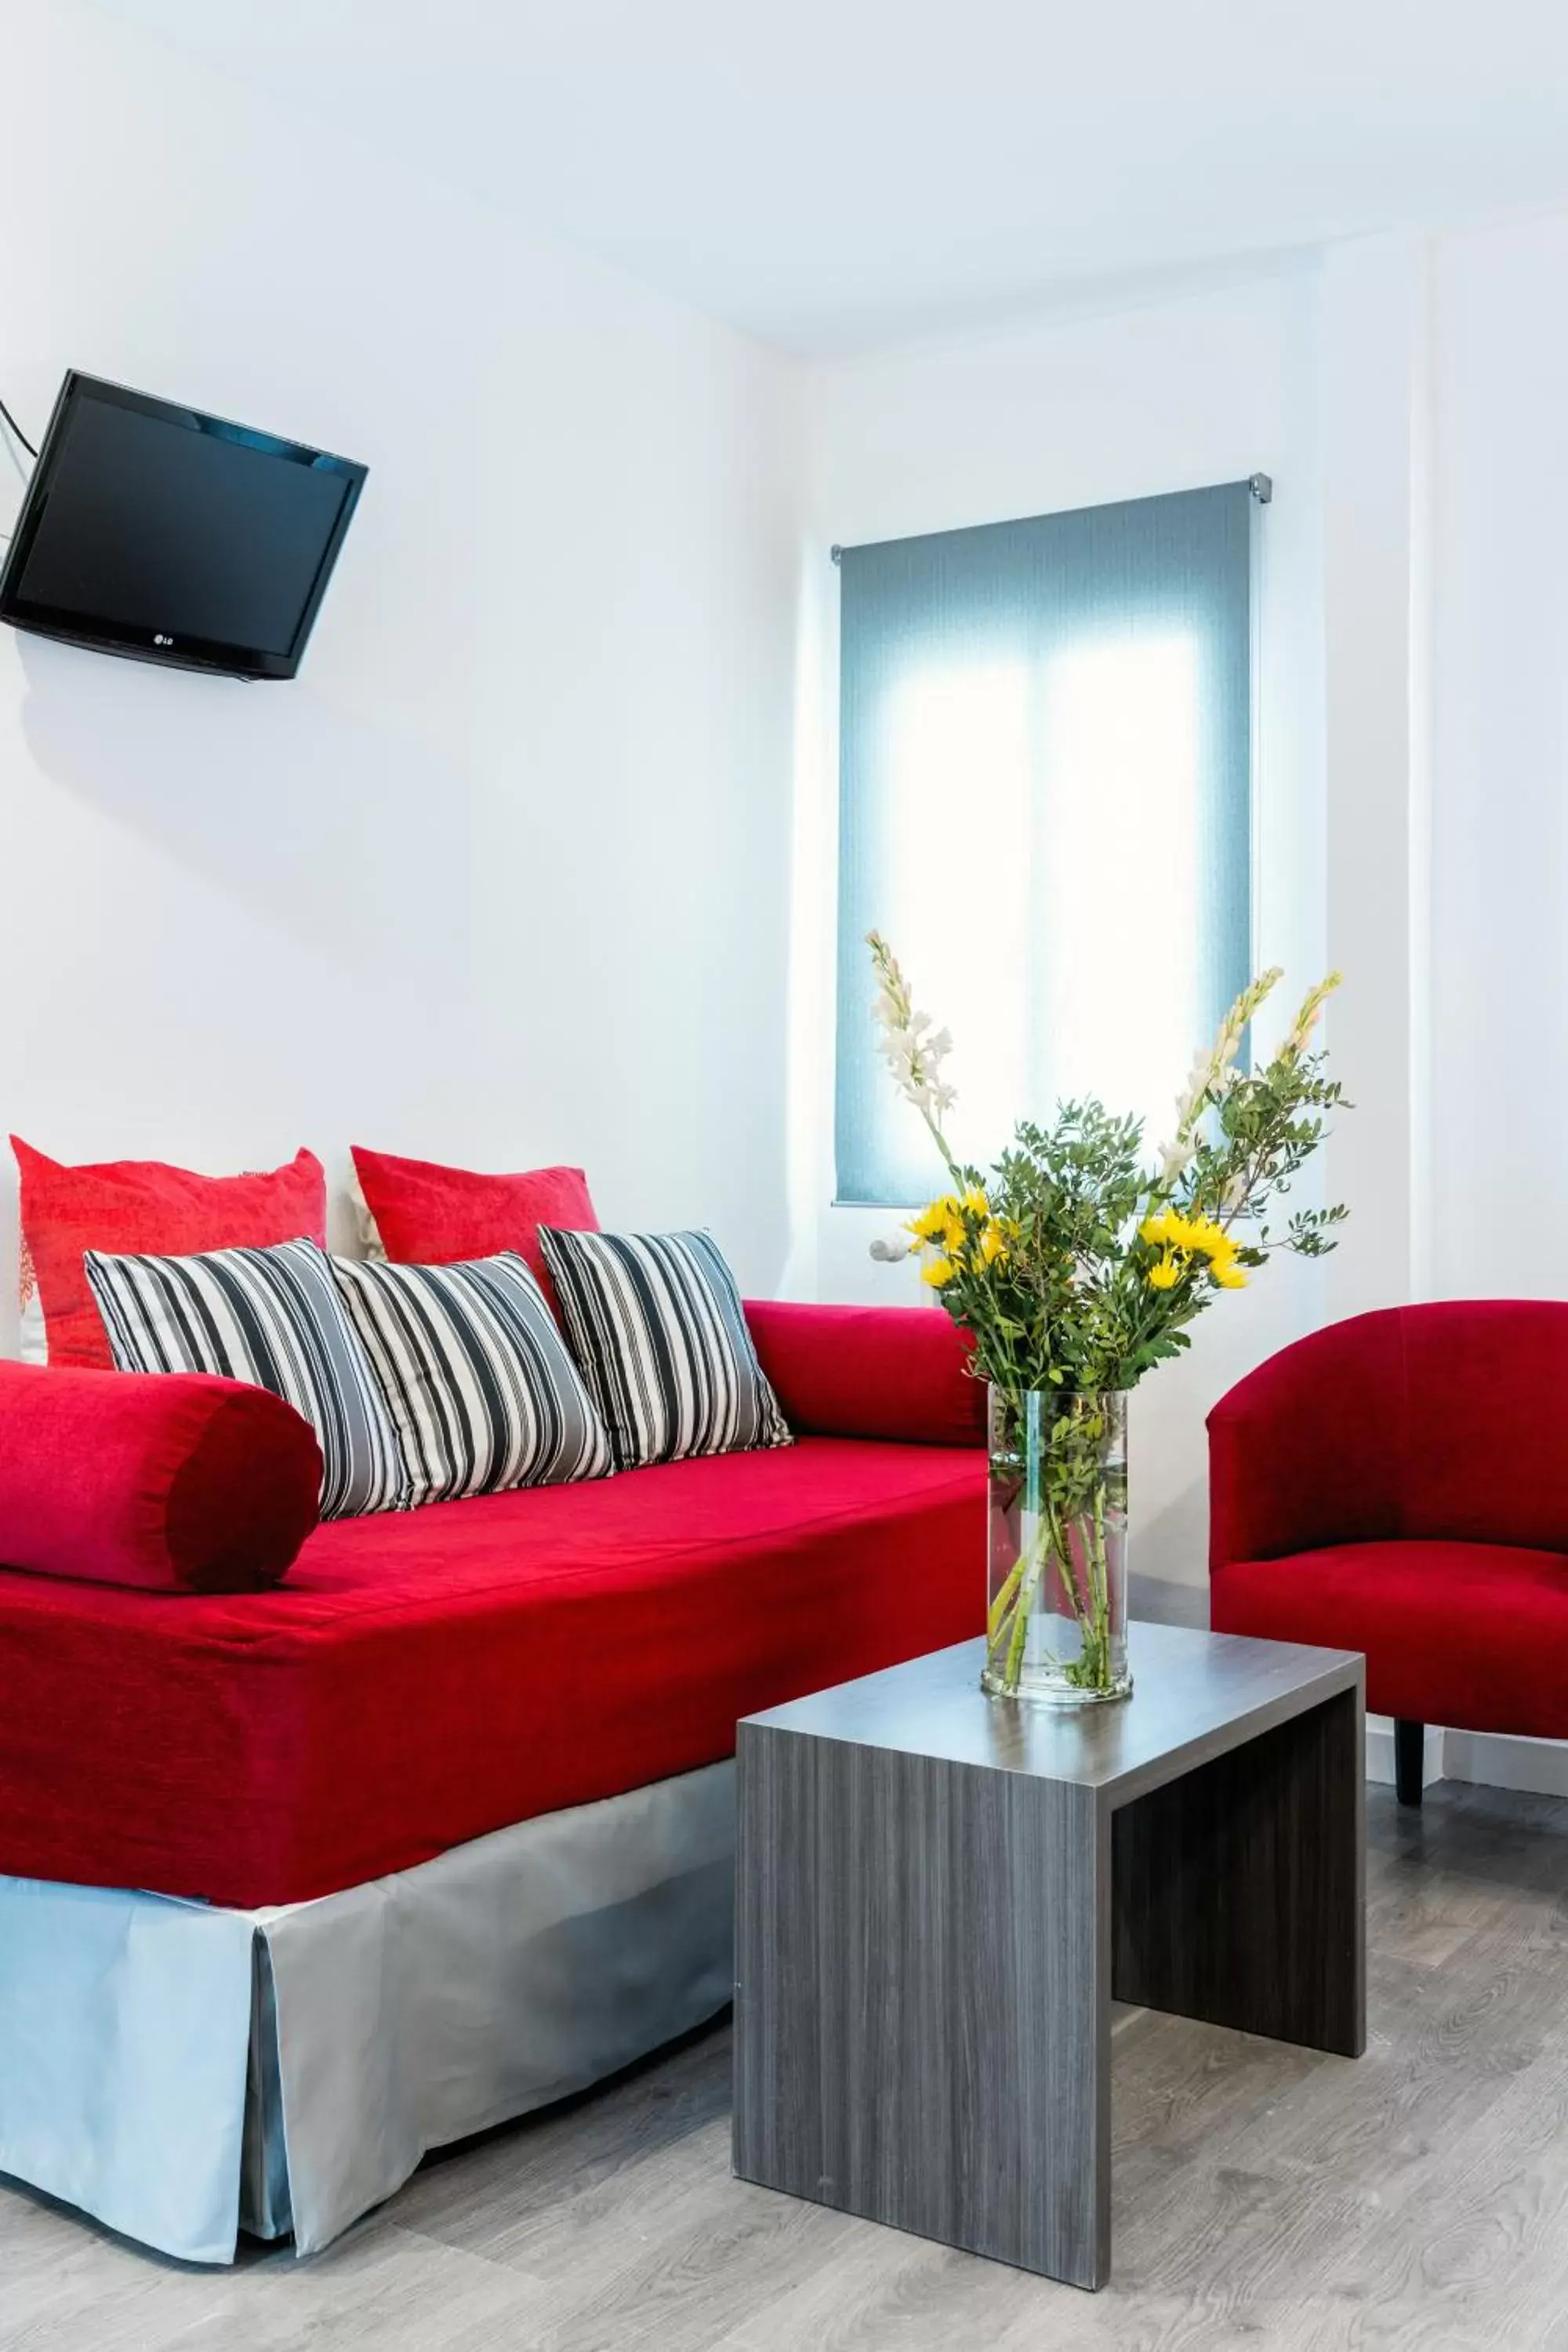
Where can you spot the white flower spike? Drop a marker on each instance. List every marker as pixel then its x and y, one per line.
pixel 914 1057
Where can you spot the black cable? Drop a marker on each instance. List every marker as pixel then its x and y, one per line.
pixel 16 429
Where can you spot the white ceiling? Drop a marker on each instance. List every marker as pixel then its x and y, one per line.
pixel 835 177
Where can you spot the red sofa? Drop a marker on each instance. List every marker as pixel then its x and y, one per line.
pixel 1398 1485
pixel 419 1679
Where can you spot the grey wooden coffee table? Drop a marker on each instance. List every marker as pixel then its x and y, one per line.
pixel 939 1896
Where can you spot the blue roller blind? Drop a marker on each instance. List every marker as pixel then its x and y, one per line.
pixel 1045 761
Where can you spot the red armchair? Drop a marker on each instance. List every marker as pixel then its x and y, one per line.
pixel 1398 1485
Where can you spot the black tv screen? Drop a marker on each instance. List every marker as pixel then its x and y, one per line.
pixel 154 531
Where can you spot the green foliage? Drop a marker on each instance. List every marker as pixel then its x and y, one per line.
pixel 1062 1297
pixel 1076 1268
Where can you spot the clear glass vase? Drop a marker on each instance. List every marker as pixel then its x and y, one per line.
pixel 1057 1568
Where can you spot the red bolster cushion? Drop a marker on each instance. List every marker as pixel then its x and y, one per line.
pixel 172 1482
pixel 897 1372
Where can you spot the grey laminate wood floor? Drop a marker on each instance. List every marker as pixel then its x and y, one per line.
pixel 1264 2198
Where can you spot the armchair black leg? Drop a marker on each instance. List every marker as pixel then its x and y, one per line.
pixel 1409 1755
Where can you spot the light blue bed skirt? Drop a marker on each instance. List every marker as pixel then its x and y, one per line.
pixel 181 2072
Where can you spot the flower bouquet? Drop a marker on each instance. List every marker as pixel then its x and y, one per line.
pixel 1076 1266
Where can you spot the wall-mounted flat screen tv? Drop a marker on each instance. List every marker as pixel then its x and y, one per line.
pixel 153 531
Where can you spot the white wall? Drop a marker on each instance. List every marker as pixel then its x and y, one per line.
pixel 498 878
pixel 1164 398
pixel 1375 493
pixel 1498 1107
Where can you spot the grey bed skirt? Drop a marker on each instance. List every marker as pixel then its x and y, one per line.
pixel 181 2071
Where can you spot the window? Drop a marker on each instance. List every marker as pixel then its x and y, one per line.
pixel 1045 761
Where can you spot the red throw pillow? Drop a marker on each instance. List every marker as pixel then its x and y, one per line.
pixel 169 1481
pixel 140 1208
pixel 430 1215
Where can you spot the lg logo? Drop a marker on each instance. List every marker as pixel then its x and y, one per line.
pixel 163 641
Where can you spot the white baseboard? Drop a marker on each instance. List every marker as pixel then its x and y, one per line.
pixel 1488 1760
pixel 1380 1752
pixel 1506 1759
pixel 1159 1601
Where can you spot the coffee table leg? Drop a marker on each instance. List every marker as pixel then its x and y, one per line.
pixel 1239 1888
pixel 921 2003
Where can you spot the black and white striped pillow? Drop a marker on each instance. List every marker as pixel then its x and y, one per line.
pixel 482 1391
pixel 656 1324
pixel 271 1316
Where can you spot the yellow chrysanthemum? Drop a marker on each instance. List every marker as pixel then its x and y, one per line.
pixel 1189 1238
pixel 933 1221
pixel 975 1202
pixel 937 1272
pixel 993 1243
pixel 1203 1234
pixel 1182 1241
